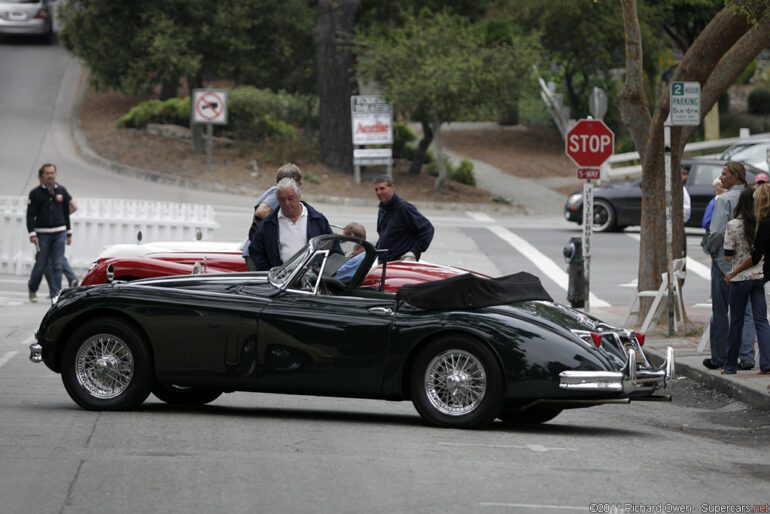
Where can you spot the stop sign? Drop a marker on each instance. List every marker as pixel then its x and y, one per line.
pixel 589 143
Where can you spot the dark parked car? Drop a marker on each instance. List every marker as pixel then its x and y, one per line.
pixel 465 350
pixel 618 205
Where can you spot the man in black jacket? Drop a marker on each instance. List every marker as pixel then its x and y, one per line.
pixel 287 229
pixel 48 224
pixel 403 230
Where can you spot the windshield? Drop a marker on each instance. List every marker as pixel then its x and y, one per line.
pixel 281 274
pixel 755 152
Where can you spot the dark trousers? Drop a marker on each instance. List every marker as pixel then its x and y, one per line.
pixel 51 248
pixel 741 291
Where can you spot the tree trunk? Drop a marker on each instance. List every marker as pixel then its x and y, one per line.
pixel 716 58
pixel 168 89
pixel 438 145
pixel 334 64
pixel 199 146
pixel 421 156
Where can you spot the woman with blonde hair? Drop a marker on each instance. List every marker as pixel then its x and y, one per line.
pixel 748 277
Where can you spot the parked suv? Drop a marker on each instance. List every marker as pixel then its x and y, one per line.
pixel 752 151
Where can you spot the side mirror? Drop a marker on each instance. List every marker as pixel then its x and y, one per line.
pixel 110 273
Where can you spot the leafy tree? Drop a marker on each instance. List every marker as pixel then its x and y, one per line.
pixel 439 67
pixel 722 50
pixel 134 46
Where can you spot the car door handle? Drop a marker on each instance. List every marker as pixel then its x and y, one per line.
pixel 381 310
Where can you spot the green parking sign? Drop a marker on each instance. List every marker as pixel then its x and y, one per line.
pixel 685 103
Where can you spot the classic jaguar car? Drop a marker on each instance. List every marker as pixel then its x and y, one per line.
pixel 465 350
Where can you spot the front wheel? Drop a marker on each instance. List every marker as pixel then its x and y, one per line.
pixel 180 395
pixel 106 366
pixel 457 383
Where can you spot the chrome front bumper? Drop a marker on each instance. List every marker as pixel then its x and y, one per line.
pixel 628 380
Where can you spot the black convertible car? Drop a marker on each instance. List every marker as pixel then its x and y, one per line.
pixel 465 350
pixel 618 205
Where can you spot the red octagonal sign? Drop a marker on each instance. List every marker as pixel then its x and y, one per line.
pixel 589 143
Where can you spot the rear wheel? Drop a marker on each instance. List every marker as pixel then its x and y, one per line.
pixel 532 415
pixel 106 366
pixel 605 219
pixel 181 395
pixel 457 383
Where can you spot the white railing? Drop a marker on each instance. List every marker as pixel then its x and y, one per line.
pixel 617 172
pixel 101 222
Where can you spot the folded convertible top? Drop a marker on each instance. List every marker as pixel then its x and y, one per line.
pixel 470 292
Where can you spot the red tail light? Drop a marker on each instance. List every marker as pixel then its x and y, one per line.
pixel 41 14
pixel 597 339
pixel 640 338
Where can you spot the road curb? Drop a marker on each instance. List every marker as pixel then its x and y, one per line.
pixel 738 391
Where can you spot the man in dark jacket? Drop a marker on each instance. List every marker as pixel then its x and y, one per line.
pixel 287 229
pixel 403 230
pixel 48 225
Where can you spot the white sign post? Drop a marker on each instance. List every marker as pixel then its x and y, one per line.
pixel 684 110
pixel 209 106
pixel 371 124
pixel 589 143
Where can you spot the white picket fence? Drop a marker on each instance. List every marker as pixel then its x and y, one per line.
pixel 101 222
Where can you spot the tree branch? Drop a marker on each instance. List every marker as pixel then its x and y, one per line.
pixel 632 101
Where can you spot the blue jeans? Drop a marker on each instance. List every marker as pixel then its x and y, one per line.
pixel 740 293
pixel 51 248
pixel 748 335
pixel 69 274
pixel 719 322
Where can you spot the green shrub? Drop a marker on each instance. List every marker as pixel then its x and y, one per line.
pixel 462 173
pixel 759 101
pixel 402 135
pixel 260 113
pixel 173 110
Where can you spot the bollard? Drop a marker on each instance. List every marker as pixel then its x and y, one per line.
pixel 576 289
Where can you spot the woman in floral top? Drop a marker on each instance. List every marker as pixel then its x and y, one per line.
pixel 745 284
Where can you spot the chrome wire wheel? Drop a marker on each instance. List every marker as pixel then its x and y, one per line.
pixel 455 382
pixel 104 366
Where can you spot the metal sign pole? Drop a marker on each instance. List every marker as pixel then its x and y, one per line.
pixel 588 226
pixel 209 143
pixel 669 226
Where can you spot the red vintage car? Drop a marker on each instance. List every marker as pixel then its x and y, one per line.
pixel 151 260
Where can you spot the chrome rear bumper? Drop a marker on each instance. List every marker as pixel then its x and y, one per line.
pixel 628 380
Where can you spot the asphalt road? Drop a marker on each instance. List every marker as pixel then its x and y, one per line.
pixel 268 453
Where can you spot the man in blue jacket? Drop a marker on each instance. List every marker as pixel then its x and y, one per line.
pixel 402 229
pixel 48 225
pixel 287 229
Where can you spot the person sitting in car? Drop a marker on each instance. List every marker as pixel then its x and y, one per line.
pixel 349 268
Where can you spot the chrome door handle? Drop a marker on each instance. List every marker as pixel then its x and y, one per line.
pixel 381 310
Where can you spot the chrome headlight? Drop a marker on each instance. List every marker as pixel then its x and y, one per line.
pixel 56 298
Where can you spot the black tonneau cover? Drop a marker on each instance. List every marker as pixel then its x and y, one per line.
pixel 471 292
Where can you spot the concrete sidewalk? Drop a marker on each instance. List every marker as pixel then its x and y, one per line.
pixel 746 386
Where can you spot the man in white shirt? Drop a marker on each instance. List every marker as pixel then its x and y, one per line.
pixel 287 229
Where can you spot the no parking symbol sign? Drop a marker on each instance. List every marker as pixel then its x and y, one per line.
pixel 209 106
